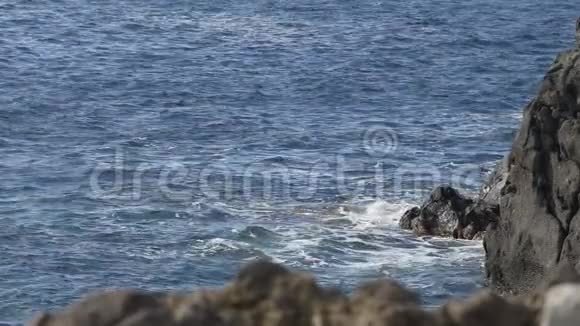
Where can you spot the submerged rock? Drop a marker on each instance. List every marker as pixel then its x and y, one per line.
pixel 448 213
pixel 265 294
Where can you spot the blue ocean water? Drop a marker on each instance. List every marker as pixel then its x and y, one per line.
pixel 163 144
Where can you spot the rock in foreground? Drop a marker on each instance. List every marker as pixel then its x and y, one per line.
pixel 562 306
pixel 265 294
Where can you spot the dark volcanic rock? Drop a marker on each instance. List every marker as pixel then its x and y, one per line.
pixel 539 224
pixel 406 221
pixel 476 220
pixel 439 215
pixel 448 213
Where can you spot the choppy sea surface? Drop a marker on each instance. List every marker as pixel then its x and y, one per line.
pixel 163 144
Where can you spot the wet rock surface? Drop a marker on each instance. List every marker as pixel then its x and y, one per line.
pixel 448 213
pixel 265 294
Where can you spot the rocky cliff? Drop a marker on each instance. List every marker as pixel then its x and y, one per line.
pixel 539 222
pixel 265 294
pixel 529 208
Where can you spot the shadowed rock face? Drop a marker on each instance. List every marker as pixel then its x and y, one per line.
pixel 265 294
pixel 539 224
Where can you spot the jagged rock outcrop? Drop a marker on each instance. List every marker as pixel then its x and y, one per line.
pixel 539 224
pixel 448 213
pixel 265 294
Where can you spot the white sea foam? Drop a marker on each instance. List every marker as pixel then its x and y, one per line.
pixel 373 246
pixel 214 246
pixel 378 213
